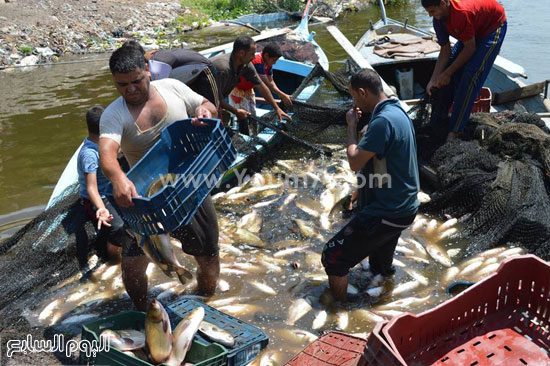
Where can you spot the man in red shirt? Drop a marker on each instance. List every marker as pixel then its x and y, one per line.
pixel 243 96
pixel 480 28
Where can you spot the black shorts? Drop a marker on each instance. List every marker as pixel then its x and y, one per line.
pixel 198 238
pixel 364 236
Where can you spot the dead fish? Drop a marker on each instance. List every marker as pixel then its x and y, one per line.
pixel 128 342
pixel 265 203
pixel 448 224
pixel 81 318
pixel 284 165
pixel 418 247
pixel 450 275
pixel 234 190
pixel 423 197
pixel 404 250
pixel 241 196
pixel 268 187
pixel 297 336
pixel 485 271
pixel 342 319
pixel 511 252
pixel 264 288
pixel 389 313
pixel 270 266
pixel 218 197
pixel 417 259
pixel 82 292
pixel 405 287
pixel 453 252
pixel 246 237
pixel 448 233
pixel 251 222
pixel 271 358
pixel 417 276
pixel 175 242
pixel 438 254
pixel 320 320
pixel 257 180
pixel 164 248
pixel 174 291
pixel 183 336
pixel 492 252
pixel 240 309
pixel 288 199
pixel 307 229
pixel 228 248
pixel 216 334
pixel 286 244
pixel 228 301
pixel 396 262
pixel 223 286
pixel 285 252
pixel 375 291
pixel 326 223
pixel 297 310
pixel 432 226
pixel 49 309
pixel 418 224
pixel 367 315
pixel 158 332
pixel 232 271
pixel 471 268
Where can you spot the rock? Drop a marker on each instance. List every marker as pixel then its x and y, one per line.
pixel 45 51
pixel 15 56
pixel 29 61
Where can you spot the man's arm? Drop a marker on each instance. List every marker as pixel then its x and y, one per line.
pixel 357 158
pixel 264 91
pixel 441 64
pixel 240 113
pixel 123 188
pixel 268 80
pixel 464 56
pixel 206 110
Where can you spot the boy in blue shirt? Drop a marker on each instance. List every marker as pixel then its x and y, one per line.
pixel 92 186
pixel 388 184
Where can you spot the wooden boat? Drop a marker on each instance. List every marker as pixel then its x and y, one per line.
pixel 505 79
pixel 288 76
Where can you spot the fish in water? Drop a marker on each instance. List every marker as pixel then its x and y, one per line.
pixel 417 276
pixel 405 287
pixel 168 262
pixel 124 340
pixel 320 319
pixel 246 237
pixel 288 199
pixel 217 334
pixel 307 229
pixel 158 332
pixel 49 309
pixel 264 288
pixel 251 222
pixel 342 318
pixel 368 315
pixel 297 310
pixel 405 303
pixel 240 309
pixel 297 336
pixel 438 254
pixel 183 336
pixel 285 252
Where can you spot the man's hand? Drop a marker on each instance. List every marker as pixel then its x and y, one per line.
pixel 353 116
pixel 285 98
pixel 124 190
pixel 202 112
pixel 282 114
pixel 430 86
pixel 103 217
pixel 242 114
pixel 442 80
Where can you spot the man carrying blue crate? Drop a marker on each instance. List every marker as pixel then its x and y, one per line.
pixel 133 122
pixel 480 28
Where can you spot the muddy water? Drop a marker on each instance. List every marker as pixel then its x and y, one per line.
pixel 261 281
pixel 42 123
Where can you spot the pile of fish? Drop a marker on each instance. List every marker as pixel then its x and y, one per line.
pixel 273 227
pixel 158 343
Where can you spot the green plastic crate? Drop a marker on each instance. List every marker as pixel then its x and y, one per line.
pixel 200 354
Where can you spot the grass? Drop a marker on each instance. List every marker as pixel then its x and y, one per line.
pixel 204 10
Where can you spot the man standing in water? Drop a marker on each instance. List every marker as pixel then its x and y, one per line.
pixel 133 122
pixel 386 157
pixel 480 28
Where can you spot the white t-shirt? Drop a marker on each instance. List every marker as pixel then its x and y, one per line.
pixel 118 124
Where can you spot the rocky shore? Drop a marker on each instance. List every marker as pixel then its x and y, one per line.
pixel 41 31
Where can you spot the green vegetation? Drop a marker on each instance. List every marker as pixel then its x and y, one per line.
pixel 25 49
pixel 201 11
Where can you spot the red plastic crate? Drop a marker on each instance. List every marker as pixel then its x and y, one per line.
pixel 502 320
pixel 332 349
pixel 482 102
pixel 378 352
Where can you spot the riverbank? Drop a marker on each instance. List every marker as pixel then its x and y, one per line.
pixel 41 31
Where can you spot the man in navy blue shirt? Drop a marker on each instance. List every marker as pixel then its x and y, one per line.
pixel 389 183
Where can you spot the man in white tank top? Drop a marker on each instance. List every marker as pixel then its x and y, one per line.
pixel 133 122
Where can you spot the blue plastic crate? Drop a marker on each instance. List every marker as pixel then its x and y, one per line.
pixel 249 340
pixel 199 156
pixel 200 353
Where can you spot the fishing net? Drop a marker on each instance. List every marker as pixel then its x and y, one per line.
pixel 497 179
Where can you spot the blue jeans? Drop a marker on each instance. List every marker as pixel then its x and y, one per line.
pixel 467 82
